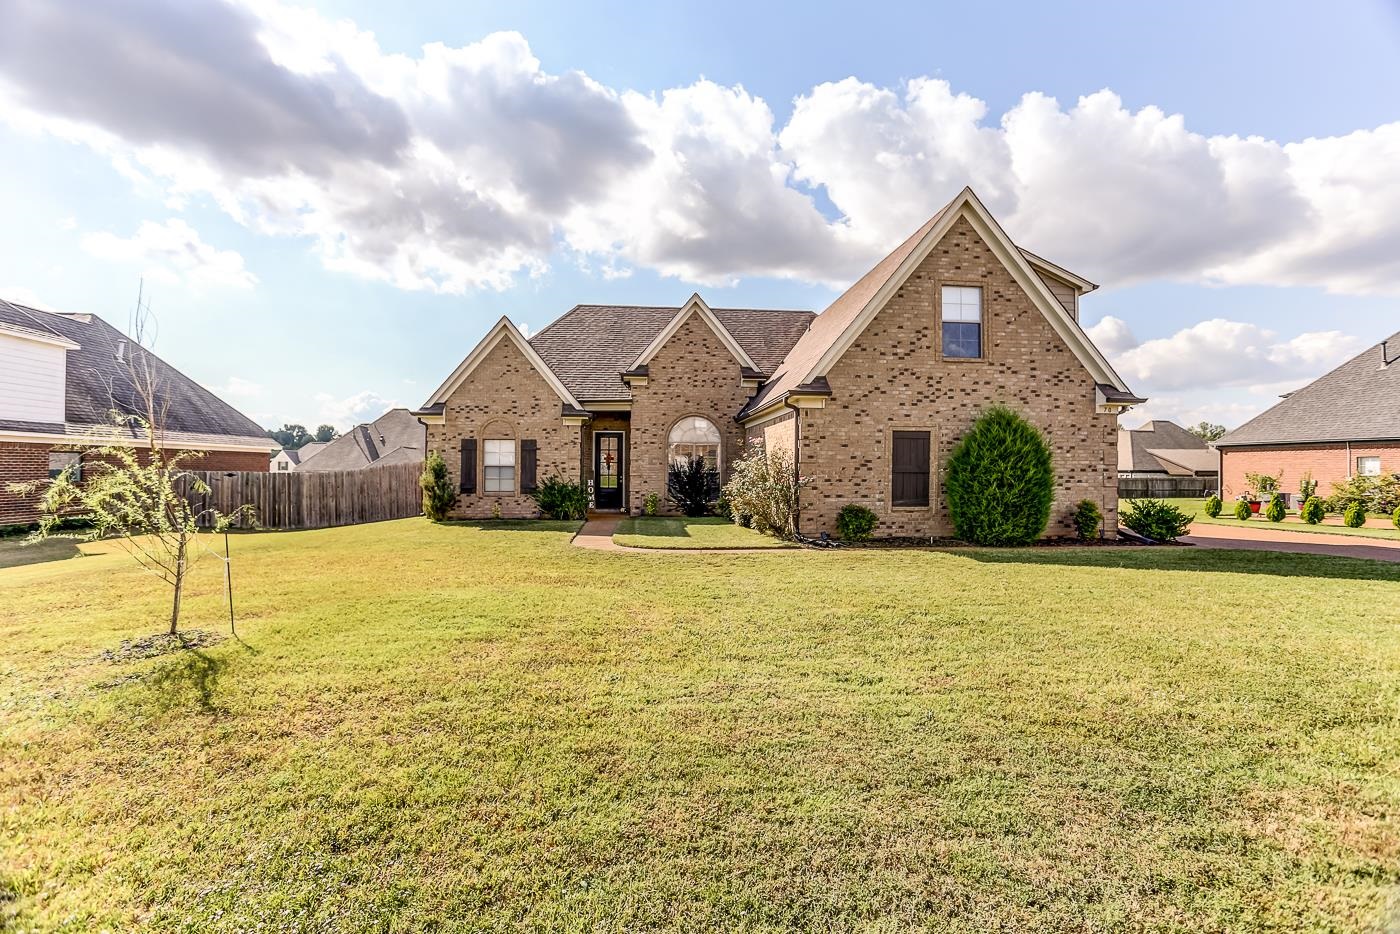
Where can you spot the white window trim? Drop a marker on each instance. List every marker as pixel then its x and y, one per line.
pixel 486 465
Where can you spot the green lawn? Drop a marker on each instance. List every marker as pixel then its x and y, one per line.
pixel 707 532
pixel 1381 526
pixel 484 727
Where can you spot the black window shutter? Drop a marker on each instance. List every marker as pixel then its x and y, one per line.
pixel 527 465
pixel 468 465
pixel 909 473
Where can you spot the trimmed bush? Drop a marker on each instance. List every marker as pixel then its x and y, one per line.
pixel 1276 509
pixel 1086 519
pixel 1355 516
pixel 855 523
pixel 438 494
pixel 560 499
pixel 651 504
pixel 1242 510
pixel 1156 519
pixel 691 486
pixel 1396 517
pixel 1313 510
pixel 1213 505
pixel 1000 481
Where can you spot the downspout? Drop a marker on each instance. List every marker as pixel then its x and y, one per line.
pixel 796 465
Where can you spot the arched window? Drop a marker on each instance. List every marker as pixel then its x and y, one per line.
pixel 695 437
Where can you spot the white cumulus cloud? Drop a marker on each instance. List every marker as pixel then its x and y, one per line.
pixel 467 167
pixel 344 413
pixel 1221 353
pixel 172 252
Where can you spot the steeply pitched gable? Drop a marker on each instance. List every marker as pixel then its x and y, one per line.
pixel 835 329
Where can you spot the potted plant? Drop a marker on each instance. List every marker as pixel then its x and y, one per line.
pixel 1263 485
pixel 1251 499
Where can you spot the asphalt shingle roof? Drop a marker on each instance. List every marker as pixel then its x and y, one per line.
pixel 591 345
pixel 1358 401
pixel 395 437
pixel 97 381
pixel 1135 446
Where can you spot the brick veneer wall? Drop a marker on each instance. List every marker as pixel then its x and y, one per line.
pixel 505 397
pixel 779 433
pixel 20 463
pixel 893 377
pixel 1329 463
pixel 693 374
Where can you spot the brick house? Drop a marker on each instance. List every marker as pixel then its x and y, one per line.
pixel 1161 448
pixel 870 395
pixel 61 375
pixel 1343 424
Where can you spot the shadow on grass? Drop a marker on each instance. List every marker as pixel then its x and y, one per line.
pixel 550 526
pixel 659 527
pixel 192 677
pixel 15 553
pixel 1202 560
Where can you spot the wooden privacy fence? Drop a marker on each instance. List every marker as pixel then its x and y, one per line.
pixel 1165 487
pixel 315 499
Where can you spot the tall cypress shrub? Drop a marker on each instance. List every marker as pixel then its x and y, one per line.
pixel 1000 481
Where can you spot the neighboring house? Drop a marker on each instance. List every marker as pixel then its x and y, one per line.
pixel 1342 424
pixel 292 458
pixel 396 437
pixel 1164 449
pixel 871 394
pixel 61 375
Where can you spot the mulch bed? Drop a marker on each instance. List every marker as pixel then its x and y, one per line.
pixel 161 644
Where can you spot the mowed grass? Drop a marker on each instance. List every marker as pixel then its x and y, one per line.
pixel 703 532
pixel 458 727
pixel 1377 526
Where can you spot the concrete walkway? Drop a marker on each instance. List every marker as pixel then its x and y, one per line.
pixel 597 533
pixel 1307 543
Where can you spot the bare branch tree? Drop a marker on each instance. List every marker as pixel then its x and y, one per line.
pixel 146 507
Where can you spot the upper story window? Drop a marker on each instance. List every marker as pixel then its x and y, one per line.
pixel 499 459
pixel 1368 466
pixel 962 321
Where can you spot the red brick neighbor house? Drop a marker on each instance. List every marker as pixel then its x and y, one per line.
pixel 1343 424
pixel 61 375
pixel 870 396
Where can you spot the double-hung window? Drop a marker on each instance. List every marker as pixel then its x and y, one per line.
pixel 1368 466
pixel 962 321
pixel 500 466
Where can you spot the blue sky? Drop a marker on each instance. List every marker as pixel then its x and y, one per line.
pixel 328 216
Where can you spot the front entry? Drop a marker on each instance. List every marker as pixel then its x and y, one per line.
pixel 607 470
